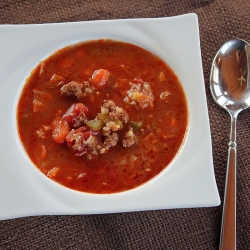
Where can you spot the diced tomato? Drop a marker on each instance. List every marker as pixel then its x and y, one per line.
pixel 60 129
pixel 138 81
pixel 74 113
pixel 100 77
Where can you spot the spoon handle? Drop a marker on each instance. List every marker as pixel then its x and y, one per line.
pixel 228 226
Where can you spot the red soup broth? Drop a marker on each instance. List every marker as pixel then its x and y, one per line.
pixel 102 116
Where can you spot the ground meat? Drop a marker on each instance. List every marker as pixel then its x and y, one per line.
pixel 75 142
pixel 81 141
pixel 110 126
pixel 91 142
pixel 129 139
pixel 140 95
pixel 114 112
pixel 72 89
pixel 110 141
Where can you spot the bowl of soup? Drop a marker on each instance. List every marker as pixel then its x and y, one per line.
pixel 104 117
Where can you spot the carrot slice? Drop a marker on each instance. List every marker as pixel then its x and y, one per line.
pixel 60 129
pixel 100 77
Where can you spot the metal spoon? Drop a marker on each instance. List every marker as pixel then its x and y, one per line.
pixel 230 88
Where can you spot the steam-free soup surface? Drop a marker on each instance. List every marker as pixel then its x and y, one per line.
pixel 102 116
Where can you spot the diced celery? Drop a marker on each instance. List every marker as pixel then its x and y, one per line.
pixel 117 121
pixel 135 125
pixel 96 125
pixel 103 117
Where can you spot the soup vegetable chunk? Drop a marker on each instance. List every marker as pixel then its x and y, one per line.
pixel 102 116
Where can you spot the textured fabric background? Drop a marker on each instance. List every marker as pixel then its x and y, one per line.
pixel 199 228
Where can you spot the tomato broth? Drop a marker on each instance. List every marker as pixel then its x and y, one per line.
pixel 102 116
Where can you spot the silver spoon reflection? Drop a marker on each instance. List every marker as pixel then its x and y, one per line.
pixel 230 88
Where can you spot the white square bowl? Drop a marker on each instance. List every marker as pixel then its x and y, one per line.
pixel 187 182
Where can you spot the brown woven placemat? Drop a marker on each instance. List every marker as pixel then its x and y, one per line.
pixel 199 228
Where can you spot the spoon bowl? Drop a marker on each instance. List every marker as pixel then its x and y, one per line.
pixel 230 76
pixel 230 88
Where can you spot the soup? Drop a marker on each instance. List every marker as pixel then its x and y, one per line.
pixel 102 116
